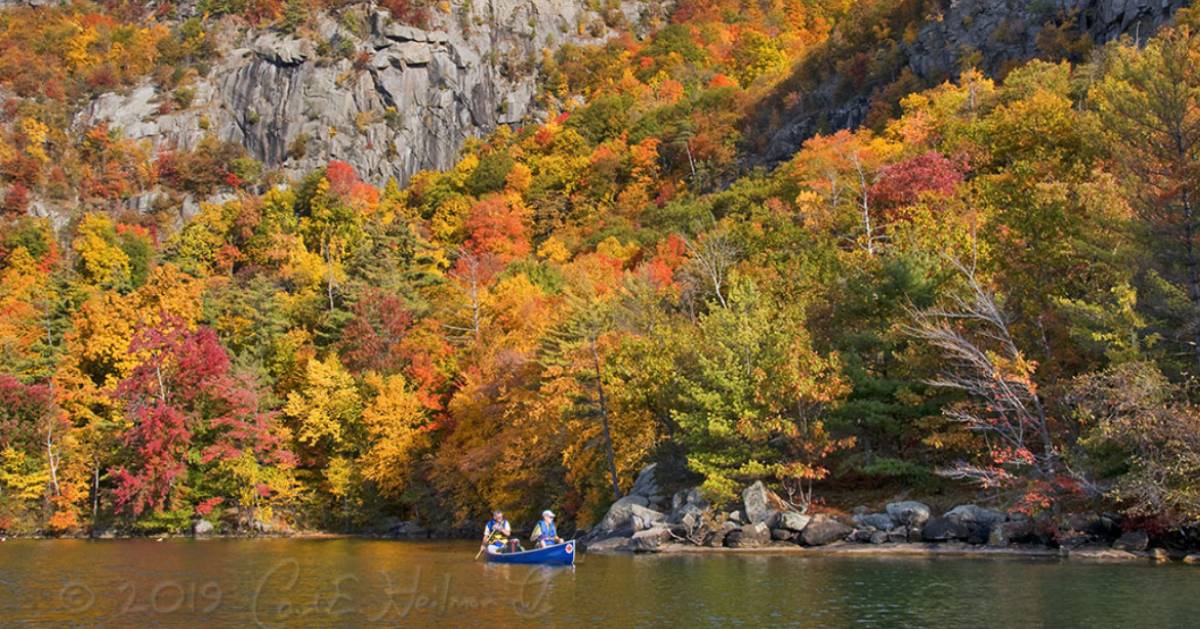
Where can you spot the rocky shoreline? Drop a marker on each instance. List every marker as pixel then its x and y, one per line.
pixel 947 549
pixel 645 521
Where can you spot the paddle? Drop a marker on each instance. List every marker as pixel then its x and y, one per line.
pixel 481 548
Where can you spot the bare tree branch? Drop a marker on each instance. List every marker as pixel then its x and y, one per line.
pixel 986 364
pixel 712 257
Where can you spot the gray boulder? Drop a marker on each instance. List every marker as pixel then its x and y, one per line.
pixel 642 518
pixel 860 536
pixel 1100 526
pixel 749 536
pixel 1013 531
pixel 690 516
pixel 649 540
pixel 761 504
pixel 898 535
pixel 973 514
pixel 793 521
pixel 824 530
pixel 875 521
pixel 619 513
pixel 879 537
pixel 646 485
pixel 610 545
pixel 1133 540
pixel 716 538
pixel 978 521
pixel 943 529
pixel 689 508
pixel 685 497
pixel 783 535
pixel 909 512
pixel 202 528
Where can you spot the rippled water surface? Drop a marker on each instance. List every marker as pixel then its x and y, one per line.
pixel 353 583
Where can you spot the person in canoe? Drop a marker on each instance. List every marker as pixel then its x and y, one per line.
pixel 545 533
pixel 496 532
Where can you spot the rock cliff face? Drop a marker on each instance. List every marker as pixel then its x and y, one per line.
pixel 1009 29
pixel 392 100
pixel 994 32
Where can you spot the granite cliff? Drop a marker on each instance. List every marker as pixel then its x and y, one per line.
pixel 990 35
pixel 389 98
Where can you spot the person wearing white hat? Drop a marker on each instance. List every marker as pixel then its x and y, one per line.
pixel 545 533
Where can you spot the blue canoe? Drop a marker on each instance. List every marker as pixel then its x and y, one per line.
pixel 558 555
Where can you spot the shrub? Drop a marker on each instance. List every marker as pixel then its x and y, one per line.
pixel 489 176
pixel 411 12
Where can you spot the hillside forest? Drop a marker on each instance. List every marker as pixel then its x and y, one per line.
pixel 991 287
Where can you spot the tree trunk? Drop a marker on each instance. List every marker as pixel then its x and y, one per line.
pixel 95 492
pixel 1193 268
pixel 691 162
pixel 327 254
pixel 608 444
pixel 52 459
pixel 864 204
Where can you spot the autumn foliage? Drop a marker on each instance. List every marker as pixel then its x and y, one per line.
pixel 951 297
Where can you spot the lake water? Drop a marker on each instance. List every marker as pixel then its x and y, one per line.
pixel 354 583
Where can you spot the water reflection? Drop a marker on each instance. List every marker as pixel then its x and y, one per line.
pixel 341 582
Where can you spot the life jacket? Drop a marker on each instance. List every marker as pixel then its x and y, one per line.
pixel 495 530
pixel 547 532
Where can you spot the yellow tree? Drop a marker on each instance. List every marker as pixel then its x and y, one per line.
pixel 837 174
pixel 22 285
pixel 397 429
pixel 332 211
pixel 327 408
pixel 326 417
pixel 102 262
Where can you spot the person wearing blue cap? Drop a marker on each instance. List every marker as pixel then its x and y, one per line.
pixel 545 533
